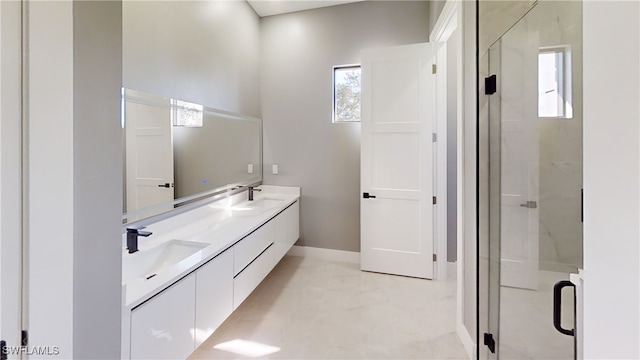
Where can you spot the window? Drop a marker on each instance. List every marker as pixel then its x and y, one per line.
pixel 187 114
pixel 346 93
pixel 554 83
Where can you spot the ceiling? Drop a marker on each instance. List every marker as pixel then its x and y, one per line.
pixel 275 7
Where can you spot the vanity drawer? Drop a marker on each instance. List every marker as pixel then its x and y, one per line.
pixel 249 279
pixel 251 246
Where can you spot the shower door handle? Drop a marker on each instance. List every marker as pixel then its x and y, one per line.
pixel 530 204
pixel 557 306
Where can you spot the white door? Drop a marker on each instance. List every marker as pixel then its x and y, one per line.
pixel 398 113
pixel 11 254
pixel 149 155
pixel 519 161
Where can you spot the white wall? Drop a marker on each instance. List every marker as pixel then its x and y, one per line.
pixel 611 178
pixel 206 52
pixel 298 53
pixel 50 299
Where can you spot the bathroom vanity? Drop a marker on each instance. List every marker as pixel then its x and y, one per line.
pixel 199 266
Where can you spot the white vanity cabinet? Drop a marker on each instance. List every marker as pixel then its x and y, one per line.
pixel 177 319
pixel 161 328
pixel 214 295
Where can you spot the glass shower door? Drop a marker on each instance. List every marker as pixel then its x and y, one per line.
pixel 535 182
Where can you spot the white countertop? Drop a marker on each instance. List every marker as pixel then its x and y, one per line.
pixel 219 224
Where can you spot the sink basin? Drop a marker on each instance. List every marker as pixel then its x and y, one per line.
pixel 255 206
pixel 145 264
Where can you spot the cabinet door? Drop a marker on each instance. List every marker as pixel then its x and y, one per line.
pixel 287 230
pixel 162 328
pixel 214 295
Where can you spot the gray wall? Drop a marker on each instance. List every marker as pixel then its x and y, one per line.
pixel 298 53
pixel 452 150
pixel 198 51
pixel 97 186
pixel 435 8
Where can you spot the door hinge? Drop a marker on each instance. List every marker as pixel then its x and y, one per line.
pixel 490 342
pixel 490 85
pixel 24 338
pixel 434 68
pixel 435 257
pixel 435 137
pixel 435 200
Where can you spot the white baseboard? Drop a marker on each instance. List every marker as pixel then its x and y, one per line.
pixel 466 340
pixel 325 254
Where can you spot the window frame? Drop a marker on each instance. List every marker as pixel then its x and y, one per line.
pixel 335 68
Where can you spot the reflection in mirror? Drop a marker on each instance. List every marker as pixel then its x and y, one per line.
pixel 178 152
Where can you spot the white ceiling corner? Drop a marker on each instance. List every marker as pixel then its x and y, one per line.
pixel 276 7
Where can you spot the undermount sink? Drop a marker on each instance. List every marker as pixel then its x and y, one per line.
pixel 145 264
pixel 255 206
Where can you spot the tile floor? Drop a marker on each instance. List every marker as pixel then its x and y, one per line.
pixel 315 309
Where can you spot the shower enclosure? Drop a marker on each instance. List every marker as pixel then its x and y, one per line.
pixel 531 134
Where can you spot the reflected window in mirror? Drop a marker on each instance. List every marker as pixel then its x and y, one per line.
pixel 187 114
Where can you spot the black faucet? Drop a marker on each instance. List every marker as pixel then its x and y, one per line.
pixel 132 238
pixel 251 190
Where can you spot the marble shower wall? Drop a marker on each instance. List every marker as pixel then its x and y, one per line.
pixel 560 154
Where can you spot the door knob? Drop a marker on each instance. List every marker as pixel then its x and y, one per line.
pixel 166 185
pixel 367 196
pixel 529 204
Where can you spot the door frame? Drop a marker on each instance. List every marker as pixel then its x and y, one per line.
pixel 452 18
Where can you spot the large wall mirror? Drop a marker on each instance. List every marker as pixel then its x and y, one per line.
pixel 179 152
